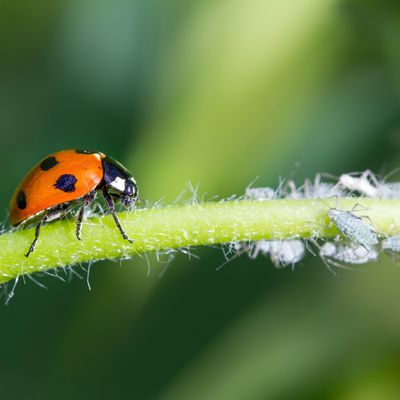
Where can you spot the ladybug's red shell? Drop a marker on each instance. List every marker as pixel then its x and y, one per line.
pixel 59 178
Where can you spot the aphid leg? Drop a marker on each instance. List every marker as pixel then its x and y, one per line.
pixel 241 249
pixel 328 175
pixel 358 207
pixel 86 201
pixel 327 260
pixel 387 176
pixel 332 177
pixel 330 264
pixel 253 249
pixel 323 258
pixel 370 176
pixel 291 187
pixel 308 247
pixel 317 179
pixel 362 208
pixel 37 232
pixel 110 204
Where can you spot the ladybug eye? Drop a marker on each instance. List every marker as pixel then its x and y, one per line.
pixel 130 189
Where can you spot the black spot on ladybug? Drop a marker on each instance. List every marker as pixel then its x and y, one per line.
pixel 48 163
pixel 66 183
pixel 85 151
pixel 21 200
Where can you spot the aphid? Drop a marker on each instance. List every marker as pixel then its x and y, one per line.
pixel 291 192
pixel 314 190
pixel 281 252
pixel 348 253
pixel 260 193
pixel 55 183
pixel 354 228
pixel 255 248
pixel 391 243
pixel 320 190
pixel 368 185
pixel 263 193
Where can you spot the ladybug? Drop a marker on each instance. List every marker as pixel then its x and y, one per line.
pixel 59 180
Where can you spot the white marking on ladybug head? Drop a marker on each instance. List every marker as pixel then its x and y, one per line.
pixel 118 183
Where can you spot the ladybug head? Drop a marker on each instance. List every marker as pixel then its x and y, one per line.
pixel 130 194
pixel 119 182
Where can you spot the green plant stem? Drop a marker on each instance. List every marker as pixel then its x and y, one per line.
pixel 182 226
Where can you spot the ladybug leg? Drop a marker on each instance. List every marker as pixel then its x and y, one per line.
pixel 86 201
pixel 56 212
pixel 37 232
pixel 110 204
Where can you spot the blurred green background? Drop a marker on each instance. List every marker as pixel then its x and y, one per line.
pixel 216 93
